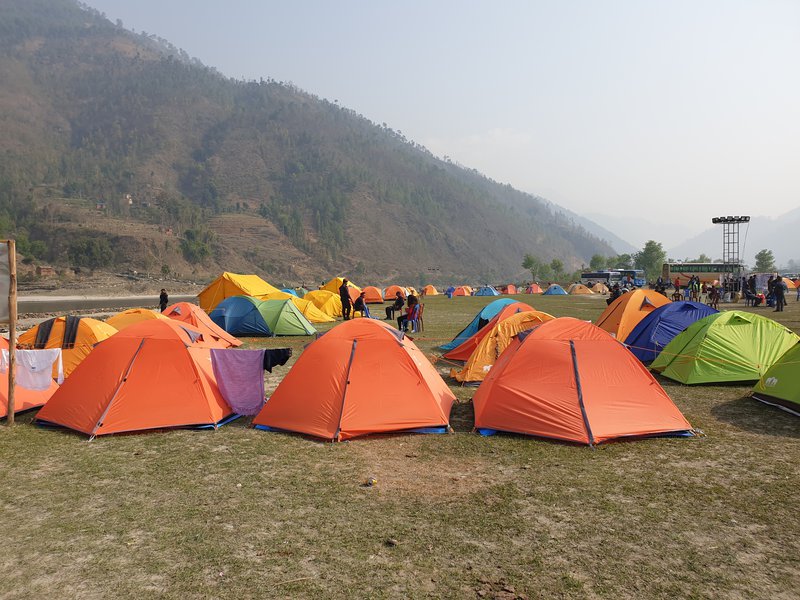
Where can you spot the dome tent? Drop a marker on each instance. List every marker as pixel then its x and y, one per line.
pixel 624 313
pixel 484 315
pixel 154 374
pixel 570 380
pixel 729 346
pixel 244 315
pixel 465 349
pixel 195 316
pixel 361 377
pixel 660 326
pixel 780 385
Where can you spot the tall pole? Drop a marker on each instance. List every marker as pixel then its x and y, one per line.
pixel 12 328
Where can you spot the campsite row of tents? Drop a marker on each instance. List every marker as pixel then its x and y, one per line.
pixel 686 341
pixel 558 378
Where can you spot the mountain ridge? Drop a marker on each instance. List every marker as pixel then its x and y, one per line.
pixel 103 127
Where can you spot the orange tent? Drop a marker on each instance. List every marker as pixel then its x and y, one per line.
pixel 150 376
pixel 24 399
pixel 495 342
pixel 534 288
pixel 624 313
pixel 510 289
pixel 361 377
pixel 465 349
pixel 391 292
pixel 570 380
pixel 87 333
pixel 578 288
pixel 430 290
pixel 372 295
pixel 195 316
pixel 462 290
pixel 133 315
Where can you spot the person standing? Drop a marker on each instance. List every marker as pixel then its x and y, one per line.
pixel 163 300
pixel 779 290
pixel 347 303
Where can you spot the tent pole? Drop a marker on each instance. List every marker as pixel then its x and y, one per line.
pixel 12 328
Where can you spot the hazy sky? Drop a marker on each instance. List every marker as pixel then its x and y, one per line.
pixel 680 110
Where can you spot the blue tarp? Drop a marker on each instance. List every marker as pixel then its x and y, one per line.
pixel 658 328
pixel 555 290
pixel 239 315
pixel 290 291
pixel 486 314
pixel 487 290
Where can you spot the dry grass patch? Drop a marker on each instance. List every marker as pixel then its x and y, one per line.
pixel 245 513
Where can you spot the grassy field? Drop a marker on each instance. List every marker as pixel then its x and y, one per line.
pixel 244 513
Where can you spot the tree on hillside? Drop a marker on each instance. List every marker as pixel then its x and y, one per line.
pixel 703 258
pixel 765 261
pixel 598 262
pixel 534 265
pixel 557 267
pixel 651 259
pixel 621 261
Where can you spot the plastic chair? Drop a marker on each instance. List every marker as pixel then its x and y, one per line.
pixel 416 323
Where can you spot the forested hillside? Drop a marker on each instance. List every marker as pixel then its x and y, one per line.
pixel 119 151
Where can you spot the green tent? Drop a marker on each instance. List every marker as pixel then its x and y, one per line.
pixel 725 347
pixel 780 386
pixel 283 318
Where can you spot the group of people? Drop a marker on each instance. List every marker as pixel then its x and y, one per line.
pixel 411 304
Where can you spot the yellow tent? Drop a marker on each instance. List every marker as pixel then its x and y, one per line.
pixel 232 284
pixel 309 310
pixel 334 284
pixel 87 333
pixel 789 283
pixel 578 288
pixel 492 345
pixel 133 315
pixel 429 290
pixel 327 302
pixel 600 288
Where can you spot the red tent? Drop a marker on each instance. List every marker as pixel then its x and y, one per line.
pixel 192 314
pixel 152 375
pixel 361 377
pixel 570 380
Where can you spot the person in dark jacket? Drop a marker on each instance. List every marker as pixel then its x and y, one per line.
pixel 779 289
pixel 396 306
pixel 163 300
pixel 347 303
pixel 360 305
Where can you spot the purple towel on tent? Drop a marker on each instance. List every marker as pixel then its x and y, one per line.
pixel 240 378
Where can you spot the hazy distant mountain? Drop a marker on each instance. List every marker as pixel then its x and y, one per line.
pixel 779 235
pixel 121 151
pixel 638 230
pixel 602 229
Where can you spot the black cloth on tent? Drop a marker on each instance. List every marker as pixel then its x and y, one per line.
pixel 43 333
pixel 275 357
pixel 70 331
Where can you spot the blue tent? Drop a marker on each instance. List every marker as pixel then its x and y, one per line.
pixel 658 328
pixel 248 316
pixel 487 290
pixel 485 315
pixel 290 291
pixel 555 290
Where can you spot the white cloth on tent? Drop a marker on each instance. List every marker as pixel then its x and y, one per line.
pixel 4 361
pixel 35 368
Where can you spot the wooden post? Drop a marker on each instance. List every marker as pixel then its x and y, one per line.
pixel 12 328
